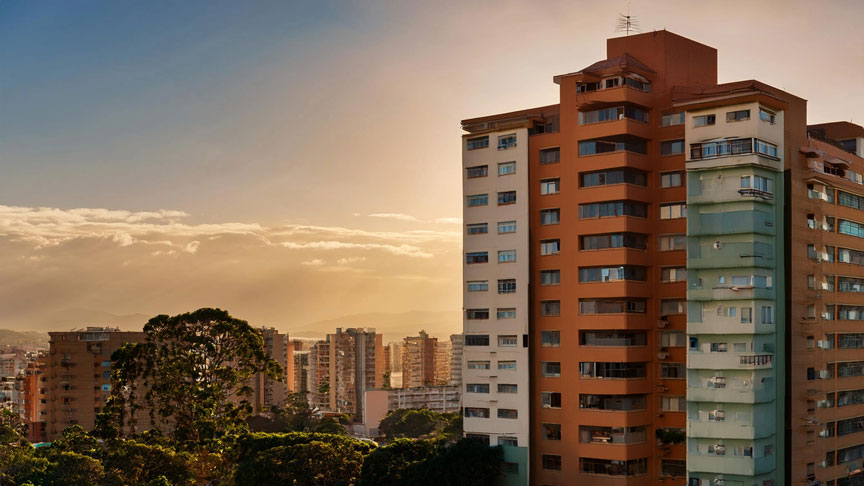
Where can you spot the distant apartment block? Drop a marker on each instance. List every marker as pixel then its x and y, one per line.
pixel 457 341
pixel 345 365
pixel 418 360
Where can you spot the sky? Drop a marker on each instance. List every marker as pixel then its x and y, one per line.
pixel 299 161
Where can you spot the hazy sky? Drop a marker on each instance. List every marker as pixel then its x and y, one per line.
pixel 296 161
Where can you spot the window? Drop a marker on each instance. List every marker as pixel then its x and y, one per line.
pixel 106 375
pixel 106 364
pixel 550 277
pixel 506 141
pixel 506 313
pixel 506 227
pixel 477 200
pixel 719 347
pixel 613 370
pixel 478 365
pixel 506 256
pixel 612 209
pixel 508 413
pixel 614 240
pixel 506 168
pixel 766 148
pixel 476 340
pixel 474 314
pixel 704 120
pixel 673 370
pixel 612 114
pixel 672 339
pixel 475 412
pixel 767 116
pixel 508 341
pixel 106 387
pixel 612 274
pixel 507 365
pixel 550 216
pixel 551 462
pixel 550 247
pixel 611 306
pixel 668 307
pixel 509 441
pixel 508 197
pixel 478 228
pixel 477 143
pixel 614 338
pixel 477 388
pixel 550 156
pixel 550 186
pixel 850 228
pixel 740 115
pixel 550 399
pixel 767 314
pixel 673 467
pixel 551 431
pixel 478 285
pixel 672 242
pixel 671 179
pixel 477 257
pixel 550 308
pixel 671 147
pixel 507 286
pixel 722 148
pixel 615 143
pixel 671 119
pixel 613 176
pixel 550 339
pixel 551 368
pixel 756 185
pixel 636 84
pixel 478 171
pixel 506 388
pixel 672 403
pixel 850 200
pixel 673 274
pixel 673 211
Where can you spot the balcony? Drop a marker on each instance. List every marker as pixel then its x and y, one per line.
pixel 620 94
pixel 720 153
pixel 612 435
pixel 729 361
pixel 731 395
pixel 725 255
pixel 731 222
pixel 730 429
pixel 731 292
pixel 741 465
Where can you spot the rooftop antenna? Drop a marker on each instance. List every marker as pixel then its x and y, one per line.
pixel 627 23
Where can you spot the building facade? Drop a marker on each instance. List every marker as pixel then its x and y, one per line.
pixel 418 360
pixel 345 365
pixel 677 293
pixel 457 341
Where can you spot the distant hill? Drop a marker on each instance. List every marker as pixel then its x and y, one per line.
pixel 76 318
pixel 23 338
pixel 395 326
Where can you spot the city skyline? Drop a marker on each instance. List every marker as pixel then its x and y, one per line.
pixel 220 148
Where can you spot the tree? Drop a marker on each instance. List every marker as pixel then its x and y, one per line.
pixel 329 426
pixel 191 374
pixel 386 466
pixel 468 462
pixel 411 423
pixel 13 421
pixel 133 463
pixel 72 469
pixel 298 416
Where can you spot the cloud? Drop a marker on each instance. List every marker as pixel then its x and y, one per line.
pixel 397 216
pixel 350 260
pixel 317 262
pixel 414 219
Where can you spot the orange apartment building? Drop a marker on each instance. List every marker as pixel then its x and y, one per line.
pixel 671 294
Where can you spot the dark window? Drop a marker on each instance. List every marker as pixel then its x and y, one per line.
pixel 550 156
pixel 477 340
pixel 551 462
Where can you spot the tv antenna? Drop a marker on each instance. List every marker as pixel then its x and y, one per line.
pixel 627 23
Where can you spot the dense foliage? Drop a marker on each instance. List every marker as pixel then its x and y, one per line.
pixel 190 375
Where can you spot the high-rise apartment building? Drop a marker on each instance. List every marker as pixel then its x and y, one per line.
pixel 457 341
pixel 78 371
pixel 267 392
pixel 443 358
pixel 418 360
pixel 34 385
pixel 345 365
pixel 653 271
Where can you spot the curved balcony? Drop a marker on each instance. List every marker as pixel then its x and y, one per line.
pixel 729 361
pixel 730 292
pixel 730 429
pixel 731 222
pixel 609 96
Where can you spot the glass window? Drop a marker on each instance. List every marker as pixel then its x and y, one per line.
pixel 478 365
pixel 668 307
pixel 671 147
pixel 550 277
pixel 507 286
pixel 615 143
pixel 550 186
pixel 507 365
pixel 476 412
pixel 613 209
pixel 704 120
pixel 506 141
pixel 477 314
pixel 740 115
pixel 478 285
pixel 507 413
pixel 551 462
pixel 671 179
pixel 477 387
pixel 477 257
pixel 506 168
pixel 508 341
pixel 673 211
pixel 613 176
pixel 767 116
pixel 672 242
pixel 477 228
pixel 550 156
pixel 477 143
pixel 614 240
pixel 507 197
pixel 550 399
pixel 476 340
pixel 478 171
pixel 477 200
pixel 673 274
pixel 671 119
pixel 551 368
pixel 766 148
pixel 506 388
pixel 506 256
pixel 506 313
pixel 550 247
pixel 550 308
pixel 506 227
pixel 550 339
pixel 551 431
pixel 550 216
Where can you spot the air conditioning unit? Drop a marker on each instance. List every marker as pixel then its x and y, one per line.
pixel 824 433
pixel 823 344
pixel 826 315
pixel 824 463
pixel 823 256
pixel 662 323
pixel 824 285
pixel 662 355
pixel 823 404
pixel 719 482
pixel 824 375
